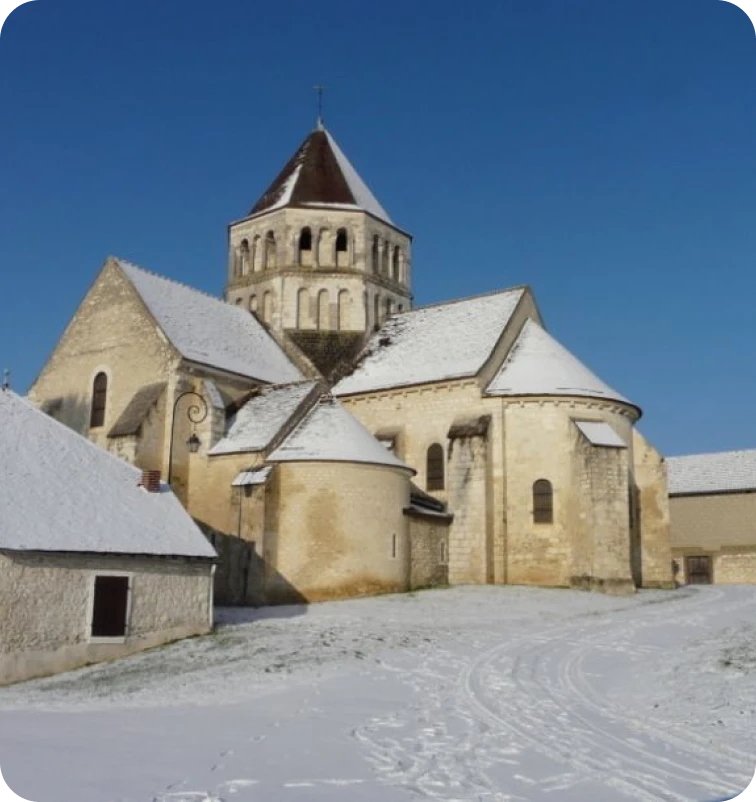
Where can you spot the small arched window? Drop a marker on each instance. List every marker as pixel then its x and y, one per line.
pixel 389 307
pixel 244 253
pixel 305 241
pixel 543 502
pixel 341 241
pixel 395 264
pixel 253 303
pixel 342 301
pixel 385 258
pixel 375 254
pixel 435 467
pixel 99 401
pixel 239 301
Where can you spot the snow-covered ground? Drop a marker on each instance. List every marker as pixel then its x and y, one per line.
pixel 485 693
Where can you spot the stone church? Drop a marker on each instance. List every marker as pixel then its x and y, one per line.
pixel 334 440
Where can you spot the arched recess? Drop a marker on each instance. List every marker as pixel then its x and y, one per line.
pixel 376 312
pixel 253 303
pixel 385 258
pixel 305 247
pixel 342 310
pixel 543 502
pixel 434 467
pixel 303 309
pixel 244 256
pixel 271 256
pixel 342 248
pixel 375 254
pixel 396 264
pixel 257 255
pixel 99 401
pixel 323 322
pixel 267 309
pixel 389 308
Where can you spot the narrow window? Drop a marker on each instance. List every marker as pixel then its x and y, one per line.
pixel 376 312
pixel 395 264
pixel 543 502
pixel 341 241
pixel 99 400
pixel 389 307
pixel 375 254
pixel 256 254
pixel 110 606
pixel 393 545
pixel 244 251
pixel 253 303
pixel 435 467
pixel 385 258
pixel 305 245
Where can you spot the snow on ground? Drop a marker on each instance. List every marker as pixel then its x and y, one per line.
pixel 481 693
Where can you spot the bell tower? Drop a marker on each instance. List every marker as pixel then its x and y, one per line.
pixel 318 259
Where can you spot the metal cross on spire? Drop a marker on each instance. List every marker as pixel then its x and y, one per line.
pixel 319 88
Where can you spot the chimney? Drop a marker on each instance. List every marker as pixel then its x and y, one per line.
pixel 151 481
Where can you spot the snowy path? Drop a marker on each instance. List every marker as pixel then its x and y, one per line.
pixel 487 694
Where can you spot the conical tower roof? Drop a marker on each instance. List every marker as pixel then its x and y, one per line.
pixel 320 175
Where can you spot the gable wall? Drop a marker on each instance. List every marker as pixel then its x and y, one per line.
pixel 111 332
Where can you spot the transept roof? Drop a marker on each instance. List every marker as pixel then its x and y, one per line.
pixel 210 331
pixel 432 343
pixel 721 472
pixel 320 175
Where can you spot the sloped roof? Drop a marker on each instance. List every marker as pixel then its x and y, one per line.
pixel 131 419
pixel 600 433
pixel 255 425
pixel 210 331
pixel 539 365
pixel 62 493
pixel 721 472
pixel 432 343
pixel 328 433
pixel 319 174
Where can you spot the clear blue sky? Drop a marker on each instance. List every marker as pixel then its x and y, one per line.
pixel 601 151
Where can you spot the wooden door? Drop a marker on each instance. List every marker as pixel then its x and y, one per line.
pixel 698 570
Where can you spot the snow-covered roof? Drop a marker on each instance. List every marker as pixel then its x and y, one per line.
pixel 539 365
pixel 256 424
pixel 432 343
pixel 600 433
pixel 320 175
pixel 62 493
pixel 252 477
pixel 210 331
pixel 328 433
pixel 722 472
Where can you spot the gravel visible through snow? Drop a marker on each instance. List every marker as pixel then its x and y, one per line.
pixel 486 693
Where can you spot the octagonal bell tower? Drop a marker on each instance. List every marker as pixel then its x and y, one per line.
pixel 318 258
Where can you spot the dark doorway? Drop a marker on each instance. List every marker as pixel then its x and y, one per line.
pixel 111 594
pixel 698 570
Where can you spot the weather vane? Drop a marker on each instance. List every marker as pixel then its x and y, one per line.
pixel 6 379
pixel 319 89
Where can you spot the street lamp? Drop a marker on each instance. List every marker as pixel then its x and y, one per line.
pixel 196 413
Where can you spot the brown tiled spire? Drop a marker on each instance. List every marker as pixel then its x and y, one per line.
pixel 319 174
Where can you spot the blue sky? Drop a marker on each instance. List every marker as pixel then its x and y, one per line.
pixel 600 151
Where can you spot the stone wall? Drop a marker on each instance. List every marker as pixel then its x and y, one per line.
pixel 429 550
pixel 336 530
pixel 653 517
pixel 45 609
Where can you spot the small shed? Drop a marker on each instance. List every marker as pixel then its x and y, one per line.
pixel 712 507
pixel 97 560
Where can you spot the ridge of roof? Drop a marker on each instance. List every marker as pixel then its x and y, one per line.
pixel 465 299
